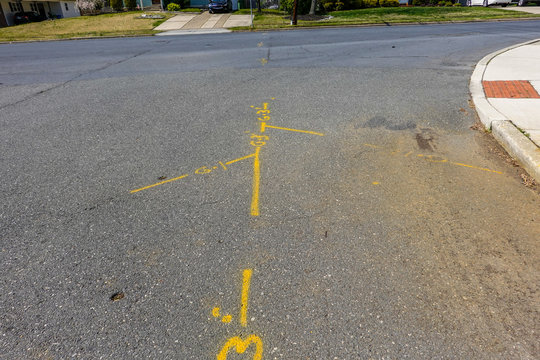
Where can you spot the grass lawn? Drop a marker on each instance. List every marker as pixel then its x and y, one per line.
pixel 84 26
pixel 277 19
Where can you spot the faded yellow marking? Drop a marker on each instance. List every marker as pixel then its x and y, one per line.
pixel 224 167
pixel 476 167
pixel 226 319
pixel 256 183
pixel 245 296
pixel 295 130
pixel 373 146
pixel 241 346
pixel 215 312
pixel 264 61
pixel 375 183
pixel 434 158
pixel 239 159
pixel 263 126
pixel 260 44
pixel 159 183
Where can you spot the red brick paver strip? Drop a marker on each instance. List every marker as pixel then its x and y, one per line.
pixel 516 89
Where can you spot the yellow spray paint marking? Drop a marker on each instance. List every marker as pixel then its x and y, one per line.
pixel 436 159
pixel 236 342
pixel 256 184
pixel 257 140
pixel 264 61
pixel 241 346
pixel 375 183
pixel 159 183
pixel 295 130
pixel 260 44
pixel 245 295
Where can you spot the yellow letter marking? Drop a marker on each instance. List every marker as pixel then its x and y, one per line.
pixel 241 346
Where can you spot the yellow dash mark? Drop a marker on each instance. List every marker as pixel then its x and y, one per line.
pixel 239 159
pixel 226 319
pixel 272 98
pixel 245 294
pixel 224 167
pixel 215 312
pixel 256 183
pixel 241 346
pixel 296 130
pixel 476 167
pixel 409 153
pixel 373 146
pixel 255 186
pixel 375 183
pixel 159 183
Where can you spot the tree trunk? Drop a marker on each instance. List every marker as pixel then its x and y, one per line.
pixel 259 6
pixel 313 7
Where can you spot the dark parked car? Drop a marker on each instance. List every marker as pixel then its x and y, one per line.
pixel 524 2
pixel 219 5
pixel 26 17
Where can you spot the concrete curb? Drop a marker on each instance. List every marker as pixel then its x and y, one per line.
pixel 507 134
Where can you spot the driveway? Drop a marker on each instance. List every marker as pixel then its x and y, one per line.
pixel 204 20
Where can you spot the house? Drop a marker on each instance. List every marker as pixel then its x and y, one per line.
pixel 45 9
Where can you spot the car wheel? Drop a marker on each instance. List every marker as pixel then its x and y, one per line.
pixel 485 4
pixel 469 3
pixel 504 5
pixel 521 3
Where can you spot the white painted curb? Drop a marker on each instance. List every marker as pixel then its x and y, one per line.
pixel 514 141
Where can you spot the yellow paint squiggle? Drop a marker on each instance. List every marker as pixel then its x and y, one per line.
pixel 241 346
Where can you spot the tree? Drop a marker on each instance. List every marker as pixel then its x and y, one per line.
pixel 117 5
pixel 313 7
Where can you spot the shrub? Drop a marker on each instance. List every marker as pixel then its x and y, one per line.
pixel 117 5
pixel 130 4
pixel 457 4
pixel 371 3
pixel 328 6
pixel 173 7
pixel 389 3
pixel 358 4
pixel 420 2
pixel 448 3
pixel 303 6
pixel 339 5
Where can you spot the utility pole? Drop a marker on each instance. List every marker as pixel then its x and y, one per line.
pixel 294 13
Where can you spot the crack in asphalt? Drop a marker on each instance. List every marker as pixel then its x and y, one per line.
pixel 29 97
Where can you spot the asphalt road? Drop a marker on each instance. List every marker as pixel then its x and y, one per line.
pixel 388 229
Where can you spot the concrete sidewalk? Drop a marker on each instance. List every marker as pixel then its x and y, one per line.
pixel 505 88
pixel 203 21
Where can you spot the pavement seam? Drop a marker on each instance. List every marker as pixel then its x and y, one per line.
pixel 504 131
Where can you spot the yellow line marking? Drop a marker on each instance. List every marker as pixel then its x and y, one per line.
pixel 296 130
pixel 226 319
pixel 245 293
pixel 239 159
pixel 263 126
pixel 409 153
pixel 256 183
pixel 476 167
pixel 241 346
pixel 224 167
pixel 373 146
pixel 159 183
pixel 375 183
pixel 215 312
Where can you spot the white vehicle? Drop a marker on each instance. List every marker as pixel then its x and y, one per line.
pixel 486 3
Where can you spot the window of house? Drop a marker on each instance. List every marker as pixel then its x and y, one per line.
pixel 67 9
pixel 15 7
